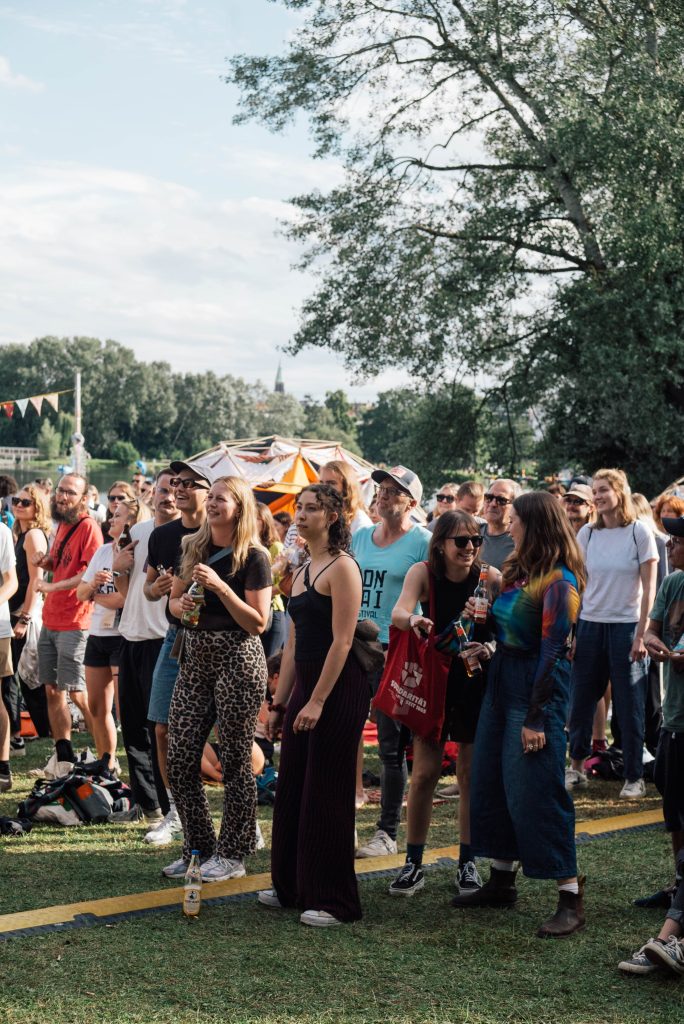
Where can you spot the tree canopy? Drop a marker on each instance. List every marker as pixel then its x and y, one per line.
pixel 512 205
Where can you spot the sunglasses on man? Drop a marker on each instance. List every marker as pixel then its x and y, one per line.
pixel 188 484
pixel 498 499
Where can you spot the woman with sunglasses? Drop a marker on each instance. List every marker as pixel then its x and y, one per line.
pixel 453 570
pixel 521 810
pixel 32 525
pixel 101 660
pixel 119 491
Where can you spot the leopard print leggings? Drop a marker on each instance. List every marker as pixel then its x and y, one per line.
pixel 222 679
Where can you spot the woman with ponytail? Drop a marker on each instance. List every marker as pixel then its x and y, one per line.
pixel 323 695
pixel 222 678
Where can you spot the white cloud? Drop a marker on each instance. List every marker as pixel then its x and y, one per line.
pixel 155 265
pixel 13 80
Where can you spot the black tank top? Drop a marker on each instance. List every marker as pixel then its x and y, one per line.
pixel 17 600
pixel 311 613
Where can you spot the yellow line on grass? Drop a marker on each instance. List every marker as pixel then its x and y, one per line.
pixel 116 905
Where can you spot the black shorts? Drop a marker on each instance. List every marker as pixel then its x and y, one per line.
pixel 463 702
pixel 668 775
pixel 102 652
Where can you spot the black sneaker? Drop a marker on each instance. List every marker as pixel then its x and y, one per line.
pixel 17 747
pixel 468 877
pixel 5 781
pixel 659 900
pixel 409 880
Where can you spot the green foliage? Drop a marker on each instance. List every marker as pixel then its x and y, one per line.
pixel 513 206
pixel 48 441
pixel 124 453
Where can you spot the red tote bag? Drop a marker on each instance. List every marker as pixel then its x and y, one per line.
pixel 413 685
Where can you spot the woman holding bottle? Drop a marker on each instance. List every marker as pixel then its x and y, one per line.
pixel 521 810
pixel 222 677
pixel 323 695
pixel 451 576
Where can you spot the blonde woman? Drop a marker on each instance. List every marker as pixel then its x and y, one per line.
pixel 101 659
pixel 31 529
pixel 342 477
pixel 119 491
pixel 621 559
pixel 222 678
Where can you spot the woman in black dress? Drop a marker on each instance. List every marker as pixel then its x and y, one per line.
pixel 452 573
pixel 327 695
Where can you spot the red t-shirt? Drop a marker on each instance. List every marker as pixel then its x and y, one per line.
pixel 62 611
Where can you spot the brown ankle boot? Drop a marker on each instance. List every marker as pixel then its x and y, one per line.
pixel 498 891
pixel 569 916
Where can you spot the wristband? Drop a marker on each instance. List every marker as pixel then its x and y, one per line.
pixel 280 709
pixel 25 619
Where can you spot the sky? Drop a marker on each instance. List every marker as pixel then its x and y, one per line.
pixel 132 208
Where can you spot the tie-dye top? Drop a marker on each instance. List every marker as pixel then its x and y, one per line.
pixel 537 616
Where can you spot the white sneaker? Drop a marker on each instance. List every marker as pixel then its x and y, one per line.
pixel 177 868
pixel 261 842
pixel 220 869
pixel 381 845
pixel 451 792
pixel 319 919
pixel 168 829
pixel 269 898
pixel 633 790
pixel 575 780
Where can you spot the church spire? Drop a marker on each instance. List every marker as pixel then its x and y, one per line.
pixel 279 382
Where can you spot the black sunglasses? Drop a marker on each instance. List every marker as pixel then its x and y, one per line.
pixel 449 498
pixel 117 497
pixel 461 542
pixel 499 499
pixel 573 501
pixel 24 502
pixel 189 483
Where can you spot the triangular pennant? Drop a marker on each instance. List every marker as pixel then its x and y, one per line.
pixel 37 403
pixel 9 409
pixel 22 405
pixel 53 399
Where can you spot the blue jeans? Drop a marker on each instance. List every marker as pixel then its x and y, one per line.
pixel 519 807
pixel 163 680
pixel 602 653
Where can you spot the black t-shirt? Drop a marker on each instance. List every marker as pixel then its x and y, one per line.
pixel 450 600
pixel 255 574
pixel 165 549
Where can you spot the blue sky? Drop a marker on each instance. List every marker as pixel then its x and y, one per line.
pixel 130 206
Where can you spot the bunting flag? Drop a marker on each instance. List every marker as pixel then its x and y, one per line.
pixel 37 403
pixel 22 405
pixel 9 409
pixel 53 399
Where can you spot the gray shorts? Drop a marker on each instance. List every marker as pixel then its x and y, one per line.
pixel 60 658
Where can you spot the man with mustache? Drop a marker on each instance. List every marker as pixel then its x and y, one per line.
pixel 62 642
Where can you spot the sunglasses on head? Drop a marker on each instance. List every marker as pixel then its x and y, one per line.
pixel 461 542
pixel 448 498
pixel 189 484
pixel 573 501
pixel 24 502
pixel 498 499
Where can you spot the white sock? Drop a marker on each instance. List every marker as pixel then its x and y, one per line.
pixel 503 865
pixel 572 887
pixel 172 802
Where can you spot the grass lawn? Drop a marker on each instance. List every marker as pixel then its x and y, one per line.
pixel 415 960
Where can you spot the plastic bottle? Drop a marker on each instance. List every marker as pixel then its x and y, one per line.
pixel 190 619
pixel 471 661
pixel 481 596
pixel 192 887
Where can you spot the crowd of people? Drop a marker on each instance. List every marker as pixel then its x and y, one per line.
pixel 183 606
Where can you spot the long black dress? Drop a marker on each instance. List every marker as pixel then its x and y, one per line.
pixel 312 859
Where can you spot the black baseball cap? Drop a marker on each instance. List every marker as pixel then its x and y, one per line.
pixel 674 526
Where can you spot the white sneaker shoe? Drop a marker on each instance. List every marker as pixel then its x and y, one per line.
pixel 319 919
pixel 261 842
pixel 168 829
pixel 381 845
pixel 220 869
pixel 633 790
pixel 575 780
pixel 269 898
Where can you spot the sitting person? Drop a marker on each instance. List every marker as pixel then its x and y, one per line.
pixel 666 951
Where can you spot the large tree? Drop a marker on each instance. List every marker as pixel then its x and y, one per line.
pixel 512 204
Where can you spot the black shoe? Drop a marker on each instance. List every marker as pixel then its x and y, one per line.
pixel 661 899
pixel 498 891
pixel 409 880
pixel 17 747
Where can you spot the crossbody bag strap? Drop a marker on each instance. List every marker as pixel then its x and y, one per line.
pixel 219 554
pixel 57 557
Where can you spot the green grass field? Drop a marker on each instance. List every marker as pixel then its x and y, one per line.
pixel 415 960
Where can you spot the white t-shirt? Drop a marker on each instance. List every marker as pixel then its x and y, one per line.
pixel 361 518
pixel 7 561
pixel 142 619
pixel 102 559
pixel 613 557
